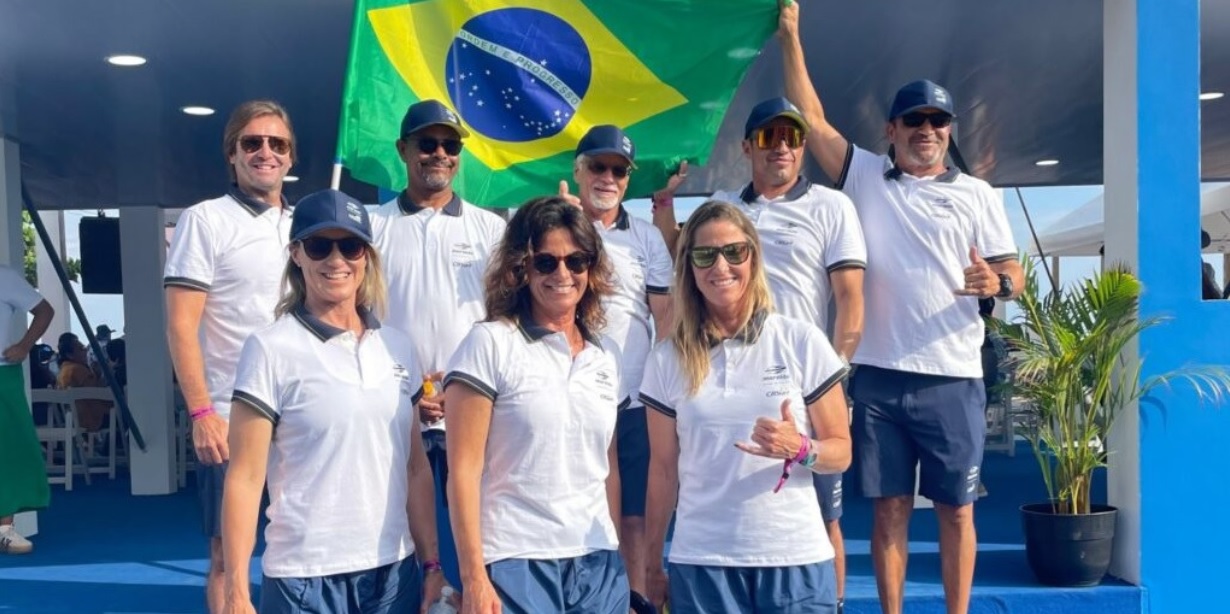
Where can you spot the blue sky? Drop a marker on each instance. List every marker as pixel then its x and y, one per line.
pixel 1046 206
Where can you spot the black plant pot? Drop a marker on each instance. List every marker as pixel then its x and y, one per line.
pixel 1068 549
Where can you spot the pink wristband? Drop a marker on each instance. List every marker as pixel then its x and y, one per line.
pixel 804 448
pixel 201 412
pixel 432 565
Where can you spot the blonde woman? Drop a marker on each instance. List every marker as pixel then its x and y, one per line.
pixel 324 413
pixel 743 399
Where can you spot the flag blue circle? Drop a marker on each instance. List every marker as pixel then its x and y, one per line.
pixel 518 74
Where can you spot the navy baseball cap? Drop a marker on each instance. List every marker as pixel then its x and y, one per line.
pixel 770 110
pixel 430 113
pixel 328 209
pixel 607 139
pixel 917 95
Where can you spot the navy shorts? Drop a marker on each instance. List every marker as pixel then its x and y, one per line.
pixel 209 482
pixel 903 420
pixel 632 445
pixel 799 589
pixel 595 583
pixel 828 493
pixel 393 588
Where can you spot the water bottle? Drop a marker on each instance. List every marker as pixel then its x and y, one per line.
pixel 444 605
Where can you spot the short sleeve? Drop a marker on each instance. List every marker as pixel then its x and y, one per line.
pixel 255 379
pixel 190 261
pixel 18 293
pixel 820 367
pixel 655 392
pixel 474 363
pixel 845 247
pixel 994 235
pixel 660 269
pixel 862 167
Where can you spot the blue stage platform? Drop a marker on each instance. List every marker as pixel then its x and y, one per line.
pixel 101 550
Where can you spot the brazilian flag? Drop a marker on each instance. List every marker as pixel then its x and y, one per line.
pixel 530 77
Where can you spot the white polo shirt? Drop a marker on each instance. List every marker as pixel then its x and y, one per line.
pixel 434 263
pixel 642 267
pixel 17 298
pixel 343 415
pixel 728 514
pixel 919 232
pixel 232 248
pixel 806 234
pixel 552 423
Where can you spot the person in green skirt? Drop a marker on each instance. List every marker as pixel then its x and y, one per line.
pixel 24 486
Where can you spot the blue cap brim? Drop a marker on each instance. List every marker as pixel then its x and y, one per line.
pixel 330 225
pixel 461 132
pixel 790 115
pixel 609 150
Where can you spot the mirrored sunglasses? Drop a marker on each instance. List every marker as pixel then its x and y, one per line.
pixel 319 248
pixel 576 262
pixel 768 138
pixel 734 253
pixel 252 143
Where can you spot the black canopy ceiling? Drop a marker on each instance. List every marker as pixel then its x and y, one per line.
pixel 1027 79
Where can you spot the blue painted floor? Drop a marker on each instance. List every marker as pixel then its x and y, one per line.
pixel 101 550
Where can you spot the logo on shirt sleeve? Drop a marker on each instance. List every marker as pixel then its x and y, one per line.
pixel 402 375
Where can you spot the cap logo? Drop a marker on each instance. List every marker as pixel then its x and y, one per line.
pixel 354 212
pixel 626 145
pixel 452 117
pixel 941 96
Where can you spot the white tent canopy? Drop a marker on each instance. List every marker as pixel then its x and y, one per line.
pixel 1081 232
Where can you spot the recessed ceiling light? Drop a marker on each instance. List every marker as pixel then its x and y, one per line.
pixel 1211 95
pixel 290 179
pixel 1046 162
pixel 125 60
pixel 197 110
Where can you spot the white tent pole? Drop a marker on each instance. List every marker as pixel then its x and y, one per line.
pixel 336 181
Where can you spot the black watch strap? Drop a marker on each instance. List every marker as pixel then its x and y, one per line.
pixel 1005 286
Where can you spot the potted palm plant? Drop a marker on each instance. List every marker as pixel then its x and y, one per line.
pixel 1072 372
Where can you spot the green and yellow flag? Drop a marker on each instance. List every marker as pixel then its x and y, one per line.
pixel 530 77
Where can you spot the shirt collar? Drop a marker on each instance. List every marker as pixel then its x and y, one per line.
pixel 796 191
pixel 894 172
pixel 749 334
pixel 410 207
pixel 252 205
pixel 534 331
pixel 326 332
pixel 621 220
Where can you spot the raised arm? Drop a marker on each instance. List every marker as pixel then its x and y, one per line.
pixel 824 142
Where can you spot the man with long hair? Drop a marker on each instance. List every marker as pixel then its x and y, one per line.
pixel 221 279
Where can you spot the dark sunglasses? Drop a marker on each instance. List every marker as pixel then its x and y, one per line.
pixel 768 138
pixel 252 143
pixel 428 145
pixel 598 168
pixel 576 262
pixel 937 120
pixel 319 248
pixel 734 253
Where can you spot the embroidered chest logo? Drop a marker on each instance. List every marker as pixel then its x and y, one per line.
pixel 463 255
pixel 775 380
pixel 943 208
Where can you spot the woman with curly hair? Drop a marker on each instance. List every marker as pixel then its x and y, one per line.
pixel 532 394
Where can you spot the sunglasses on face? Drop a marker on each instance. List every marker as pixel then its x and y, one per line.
pixel 252 143
pixel 937 120
pixel 619 171
pixel 734 253
pixel 768 138
pixel 576 262
pixel 319 248
pixel 428 145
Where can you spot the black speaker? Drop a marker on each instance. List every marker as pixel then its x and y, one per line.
pixel 100 255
